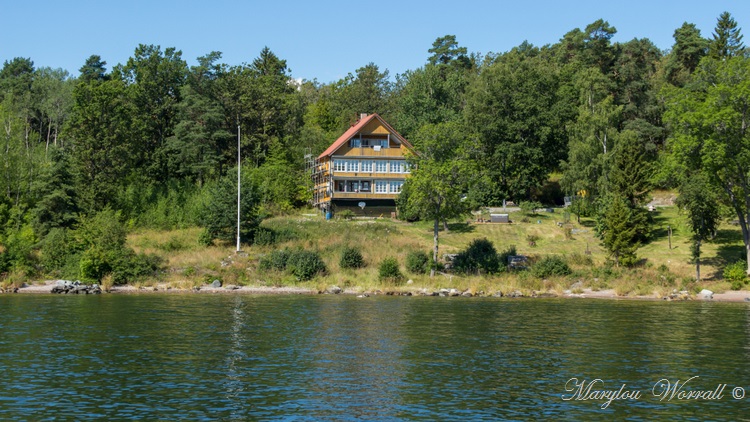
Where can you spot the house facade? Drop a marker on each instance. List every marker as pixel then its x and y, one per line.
pixel 363 170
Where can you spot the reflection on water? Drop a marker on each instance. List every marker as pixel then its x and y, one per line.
pixel 240 357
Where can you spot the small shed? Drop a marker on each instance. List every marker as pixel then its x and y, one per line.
pixel 499 218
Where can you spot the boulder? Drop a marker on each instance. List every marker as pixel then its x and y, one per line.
pixel 455 292
pixel 216 284
pixel 706 294
pixel 467 294
pixel 334 290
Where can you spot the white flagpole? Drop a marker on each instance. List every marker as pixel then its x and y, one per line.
pixel 238 188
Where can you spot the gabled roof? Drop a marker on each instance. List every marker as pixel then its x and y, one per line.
pixel 356 128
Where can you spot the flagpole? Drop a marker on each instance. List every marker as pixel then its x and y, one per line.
pixel 238 187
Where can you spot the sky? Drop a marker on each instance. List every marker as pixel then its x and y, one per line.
pixel 326 40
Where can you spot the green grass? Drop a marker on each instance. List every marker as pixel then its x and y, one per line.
pixel 662 269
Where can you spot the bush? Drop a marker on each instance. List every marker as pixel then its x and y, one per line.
pixel 388 270
pixel 205 238
pixel 128 266
pixel 123 265
pixel 530 207
pixel 551 266
pixel 736 274
pixel 276 260
pixel 351 258
pixel 264 237
pixel 417 262
pixel 305 264
pixel 480 255
pixel 345 214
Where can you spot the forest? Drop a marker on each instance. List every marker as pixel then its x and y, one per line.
pixel 152 143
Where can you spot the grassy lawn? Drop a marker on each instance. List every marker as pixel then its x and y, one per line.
pixel 662 270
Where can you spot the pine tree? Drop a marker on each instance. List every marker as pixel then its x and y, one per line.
pixel 727 40
pixel 619 233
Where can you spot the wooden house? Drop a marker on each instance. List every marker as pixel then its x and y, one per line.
pixel 363 170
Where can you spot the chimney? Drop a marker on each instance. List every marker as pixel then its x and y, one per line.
pixel 362 115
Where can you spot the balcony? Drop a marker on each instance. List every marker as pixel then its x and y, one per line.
pixel 364 195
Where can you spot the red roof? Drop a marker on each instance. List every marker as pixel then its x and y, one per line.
pixel 349 134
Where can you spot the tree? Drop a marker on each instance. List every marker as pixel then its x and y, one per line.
pixel 617 231
pixel 701 204
pixel 688 50
pixel 102 137
pixel 153 79
pixel 93 70
pixel 219 214
pixel 629 178
pixel 445 50
pixel 709 120
pixel 727 40
pixel 592 135
pixel 435 191
pixel 200 135
pixel 514 108
pixel 56 205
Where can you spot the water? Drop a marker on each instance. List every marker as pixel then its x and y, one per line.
pixel 241 357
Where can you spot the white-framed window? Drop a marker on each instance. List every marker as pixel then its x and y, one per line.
pixel 339 165
pixel 352 166
pixel 366 166
pixel 354 143
pixel 381 166
pixel 397 166
pixel 381 186
pixel 396 186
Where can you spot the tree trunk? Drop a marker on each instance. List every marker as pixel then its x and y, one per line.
pixel 445 225
pixel 435 247
pixel 698 261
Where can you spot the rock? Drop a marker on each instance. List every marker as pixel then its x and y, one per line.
pixel 444 292
pixel 216 284
pixel 334 290
pixel 515 293
pixel 467 294
pixel 232 287
pixel 577 285
pixel 706 294
pixel 747 299
pixel 455 292
pixel 498 294
pixel 410 282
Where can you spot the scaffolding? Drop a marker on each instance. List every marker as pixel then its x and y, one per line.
pixel 320 178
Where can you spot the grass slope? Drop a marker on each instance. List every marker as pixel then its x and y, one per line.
pixel 662 270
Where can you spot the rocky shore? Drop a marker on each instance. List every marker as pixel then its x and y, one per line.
pixel 73 287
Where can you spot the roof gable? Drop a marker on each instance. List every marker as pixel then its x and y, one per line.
pixel 359 127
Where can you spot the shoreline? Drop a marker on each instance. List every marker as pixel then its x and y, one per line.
pixel 732 296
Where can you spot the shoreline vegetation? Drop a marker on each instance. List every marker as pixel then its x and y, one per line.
pixel 664 270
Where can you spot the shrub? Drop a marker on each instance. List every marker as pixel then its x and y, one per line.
pixel 305 264
pixel 128 266
pixel 480 255
pixel 346 214
pixel 351 258
pixel 388 270
pixel 205 238
pixel 551 266
pixel 55 249
pixel 94 265
pixel 736 274
pixel 530 207
pixel 276 260
pixel 417 262
pixel 264 237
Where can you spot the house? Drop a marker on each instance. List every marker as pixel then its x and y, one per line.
pixel 363 170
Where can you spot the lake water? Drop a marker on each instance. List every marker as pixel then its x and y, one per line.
pixel 241 357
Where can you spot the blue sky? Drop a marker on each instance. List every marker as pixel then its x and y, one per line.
pixel 327 40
